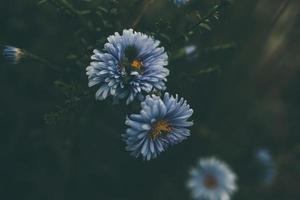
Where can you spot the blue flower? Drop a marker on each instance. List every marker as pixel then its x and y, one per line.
pixel 181 2
pixel 13 54
pixel 268 172
pixel 162 122
pixel 130 66
pixel 190 49
pixel 211 179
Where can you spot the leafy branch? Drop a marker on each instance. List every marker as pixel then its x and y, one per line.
pixel 202 23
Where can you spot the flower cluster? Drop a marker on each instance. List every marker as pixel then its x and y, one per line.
pixel 132 66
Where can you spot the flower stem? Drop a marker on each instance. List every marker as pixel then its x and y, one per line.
pixel 43 61
pixel 145 6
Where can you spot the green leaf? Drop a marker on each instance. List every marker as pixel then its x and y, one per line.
pixel 85 12
pixel 102 9
pixel 41 2
pixel 205 26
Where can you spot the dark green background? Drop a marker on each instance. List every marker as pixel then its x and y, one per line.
pixel 251 102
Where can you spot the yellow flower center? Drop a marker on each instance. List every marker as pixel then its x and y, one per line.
pixel 160 127
pixel 210 181
pixel 136 64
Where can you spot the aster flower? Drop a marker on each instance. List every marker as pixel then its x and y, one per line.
pixel 268 167
pixel 13 54
pixel 211 179
pixel 130 66
pixel 181 2
pixel 162 122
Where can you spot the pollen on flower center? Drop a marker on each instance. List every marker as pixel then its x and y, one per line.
pixel 210 181
pixel 136 64
pixel 160 127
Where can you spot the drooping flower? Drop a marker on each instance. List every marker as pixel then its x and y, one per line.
pixel 162 122
pixel 130 66
pixel 181 2
pixel 211 179
pixel 13 54
pixel 268 168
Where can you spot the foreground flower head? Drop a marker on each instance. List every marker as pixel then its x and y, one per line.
pixel 181 2
pixel 268 167
pixel 162 122
pixel 130 65
pixel 211 179
pixel 13 54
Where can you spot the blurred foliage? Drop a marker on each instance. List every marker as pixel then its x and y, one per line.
pixel 58 143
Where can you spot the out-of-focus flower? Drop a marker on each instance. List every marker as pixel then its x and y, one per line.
pixel 130 66
pixel 162 122
pixel 267 165
pixel 212 179
pixel 13 54
pixel 181 2
pixel 190 49
pixel 190 52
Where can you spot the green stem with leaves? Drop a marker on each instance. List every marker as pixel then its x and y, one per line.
pixel 202 20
